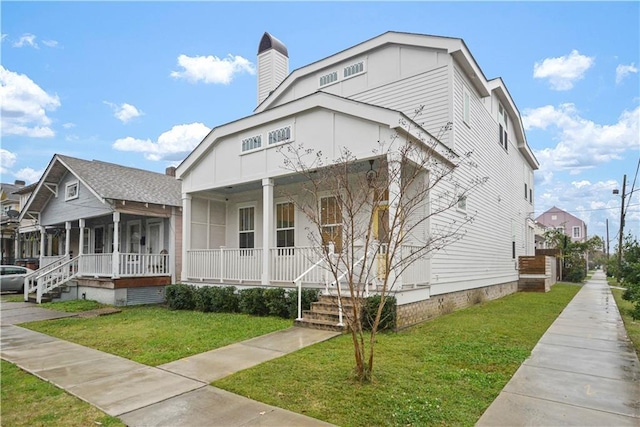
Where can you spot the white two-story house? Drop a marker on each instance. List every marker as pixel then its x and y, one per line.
pixel 234 182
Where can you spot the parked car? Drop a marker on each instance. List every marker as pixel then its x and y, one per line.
pixel 12 277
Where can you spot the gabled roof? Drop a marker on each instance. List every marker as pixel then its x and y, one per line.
pixel 317 100
pixel 558 210
pixel 7 190
pixel 454 46
pixel 107 181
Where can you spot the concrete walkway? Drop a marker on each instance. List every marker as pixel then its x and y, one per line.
pixel 175 394
pixel 582 372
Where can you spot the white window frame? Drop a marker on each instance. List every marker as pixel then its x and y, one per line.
pixel 331 225
pixel 358 64
pixel 579 230
pixel 466 107
pixel 130 236
pixel 560 228
pixel 247 231
pixel 281 141
pixel 328 79
pixel 285 250
pixel 251 143
pixel 503 127
pixel 68 186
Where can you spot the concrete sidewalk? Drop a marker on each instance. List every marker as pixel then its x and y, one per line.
pixel 176 394
pixel 583 371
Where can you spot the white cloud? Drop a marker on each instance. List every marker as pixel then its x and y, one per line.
pixel 68 125
pixel 623 71
pixel 24 106
pixel 50 43
pixel 7 160
pixel 211 69
pixel 581 143
pixel 124 112
pixel 563 71
pixel 29 175
pixel 174 144
pixel 26 40
pixel 3 36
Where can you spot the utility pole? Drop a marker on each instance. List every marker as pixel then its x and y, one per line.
pixel 606 247
pixel 624 188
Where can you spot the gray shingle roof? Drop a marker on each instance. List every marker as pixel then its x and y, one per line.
pixel 112 181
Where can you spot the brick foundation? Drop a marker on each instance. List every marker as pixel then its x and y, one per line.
pixel 417 312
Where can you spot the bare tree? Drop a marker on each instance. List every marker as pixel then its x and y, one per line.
pixel 374 219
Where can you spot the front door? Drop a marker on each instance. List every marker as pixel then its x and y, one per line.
pixel 154 237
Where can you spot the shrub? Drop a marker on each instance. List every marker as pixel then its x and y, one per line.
pixel 251 301
pixel 275 299
pixel 388 316
pixel 225 299
pixel 202 298
pixel 180 296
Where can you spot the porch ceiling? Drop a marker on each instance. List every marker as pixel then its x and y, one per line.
pixel 360 166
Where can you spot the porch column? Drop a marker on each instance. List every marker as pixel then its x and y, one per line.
pixel 267 224
pixel 394 167
pixel 172 245
pixel 67 237
pixel 115 257
pixel 186 233
pixel 43 235
pixel 81 242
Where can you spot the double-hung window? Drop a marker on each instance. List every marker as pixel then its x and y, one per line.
pixel 576 232
pixel 331 222
pixel 285 228
pixel 246 228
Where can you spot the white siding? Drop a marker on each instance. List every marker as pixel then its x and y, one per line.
pixel 486 249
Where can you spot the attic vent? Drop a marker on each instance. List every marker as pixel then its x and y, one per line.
pixel 328 78
pixel 279 135
pixel 352 69
pixel 252 143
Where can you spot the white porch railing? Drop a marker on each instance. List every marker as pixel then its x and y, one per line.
pixel 48 260
pixel 224 264
pixel 132 265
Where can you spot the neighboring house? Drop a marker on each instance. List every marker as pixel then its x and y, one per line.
pixel 9 209
pixel 539 232
pixel 28 243
pixel 570 225
pixel 106 232
pixel 237 220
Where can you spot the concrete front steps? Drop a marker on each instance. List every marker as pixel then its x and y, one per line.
pixel 325 315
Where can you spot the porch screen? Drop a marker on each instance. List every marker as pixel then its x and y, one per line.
pixel 331 222
pixel 246 224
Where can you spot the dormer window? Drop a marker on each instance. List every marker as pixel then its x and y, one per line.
pixel 71 191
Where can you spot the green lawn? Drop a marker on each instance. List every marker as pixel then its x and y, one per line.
pixel 154 335
pixel 443 372
pixel 30 401
pixel 632 326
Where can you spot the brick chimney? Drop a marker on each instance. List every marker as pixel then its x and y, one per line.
pixel 170 171
pixel 273 65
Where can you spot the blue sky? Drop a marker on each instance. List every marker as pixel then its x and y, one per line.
pixel 140 83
